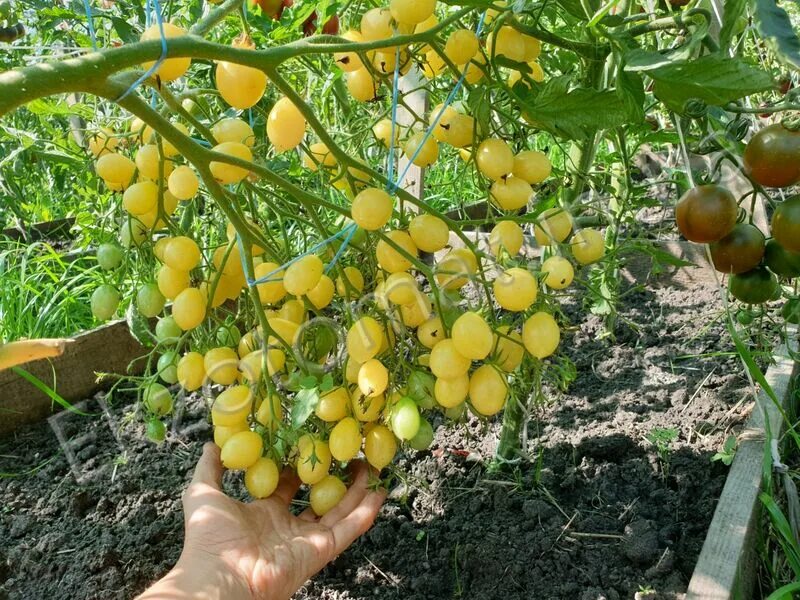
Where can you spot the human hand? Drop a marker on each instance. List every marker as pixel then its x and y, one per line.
pixel 259 549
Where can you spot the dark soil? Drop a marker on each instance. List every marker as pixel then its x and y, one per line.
pixel 600 516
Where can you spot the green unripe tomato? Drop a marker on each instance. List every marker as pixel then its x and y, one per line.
pixel 149 300
pixel 420 388
pixel 157 399
pixel 744 317
pixel 228 335
pixel 109 256
pixel 105 301
pixel 168 366
pixel 167 330
pixel 156 431
pixel 457 412
pixel 424 436
pixel 405 419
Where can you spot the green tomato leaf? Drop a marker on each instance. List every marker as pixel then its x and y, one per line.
pixel 327 383
pixel 139 326
pixel 731 21
pixel 305 401
pixel 308 382
pixel 776 27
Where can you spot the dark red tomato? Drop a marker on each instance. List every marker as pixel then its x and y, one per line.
pixel 785 224
pixel 331 26
pixel 753 287
pixel 273 8
pixel 781 261
pixel 785 85
pixel 739 251
pixel 706 213
pixel 772 156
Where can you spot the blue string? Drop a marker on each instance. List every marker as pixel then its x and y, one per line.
pixel 250 112
pixel 348 231
pixel 90 20
pixel 161 58
pixel 393 186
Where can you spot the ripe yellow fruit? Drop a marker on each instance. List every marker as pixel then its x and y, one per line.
pixel 515 289
pixel 230 264
pixel 167 148
pixel 232 406
pixel 401 288
pixel 240 86
pixel 361 84
pixel 475 70
pixel 191 371
pixel 383 132
pixel 433 65
pixel 325 495
pixel 431 332
pixel 364 339
pixel 293 310
pixel 320 154
pixel 172 68
pixel 226 173
pixel 426 150
pixel 488 390
pixel 102 142
pixel 455 269
pixel 288 331
pixel 537 74
pixel 233 130
pixel 511 193
pixel 532 166
pixel 389 258
pixel 373 378
pixel 447 362
pixel 242 450
pixel 251 366
pixel 322 293
pixel 261 478
pixel 116 170
pixel 249 342
pixel 494 158
pixel 462 131
pixel 221 365
pixel 472 336
pixel 351 371
pixel 507 42
pixel 286 125
pixel 507 236
pixel 302 276
pixel 461 46
pixel 183 183
pixel 314 460
pixel 427 24
pixel 271 291
pixel 376 24
pixel 411 12
pixel 366 409
pixel 332 406
pixel 223 434
pixel 541 335
pixel 349 61
pixel 416 312
pixel 182 254
pixel 143 133
pixel 189 308
pixel 508 348
pixel 429 233
pixel 558 272
pixel 380 446
pixel 588 246
pixel 449 393
pixel 148 161
pixel 172 282
pixel 140 198
pixel 270 412
pixel 345 439
pixel 445 115
pixel 533 47
pixel 372 209
pixel 350 283
pixel 219 296
pixel 553 225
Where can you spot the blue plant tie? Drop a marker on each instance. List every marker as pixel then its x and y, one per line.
pixel 393 185
pixel 161 58
pixel 90 21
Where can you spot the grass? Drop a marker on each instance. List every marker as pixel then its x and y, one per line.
pixel 42 294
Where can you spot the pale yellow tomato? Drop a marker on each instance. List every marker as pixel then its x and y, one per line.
pixel 488 390
pixel 515 289
pixel 558 272
pixel 447 362
pixel 541 335
pixel 471 336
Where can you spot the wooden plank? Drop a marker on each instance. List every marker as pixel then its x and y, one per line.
pixel 60 228
pixel 726 568
pixel 107 349
pixel 416 98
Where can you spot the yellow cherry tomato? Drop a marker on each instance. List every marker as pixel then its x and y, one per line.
pixel 541 335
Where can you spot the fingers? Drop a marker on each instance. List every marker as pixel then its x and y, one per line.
pixel 288 484
pixel 352 498
pixel 346 531
pixel 209 467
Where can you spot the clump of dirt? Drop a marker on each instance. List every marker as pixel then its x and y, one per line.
pixel 599 515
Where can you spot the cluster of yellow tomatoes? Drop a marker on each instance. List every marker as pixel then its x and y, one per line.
pixel 409 345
